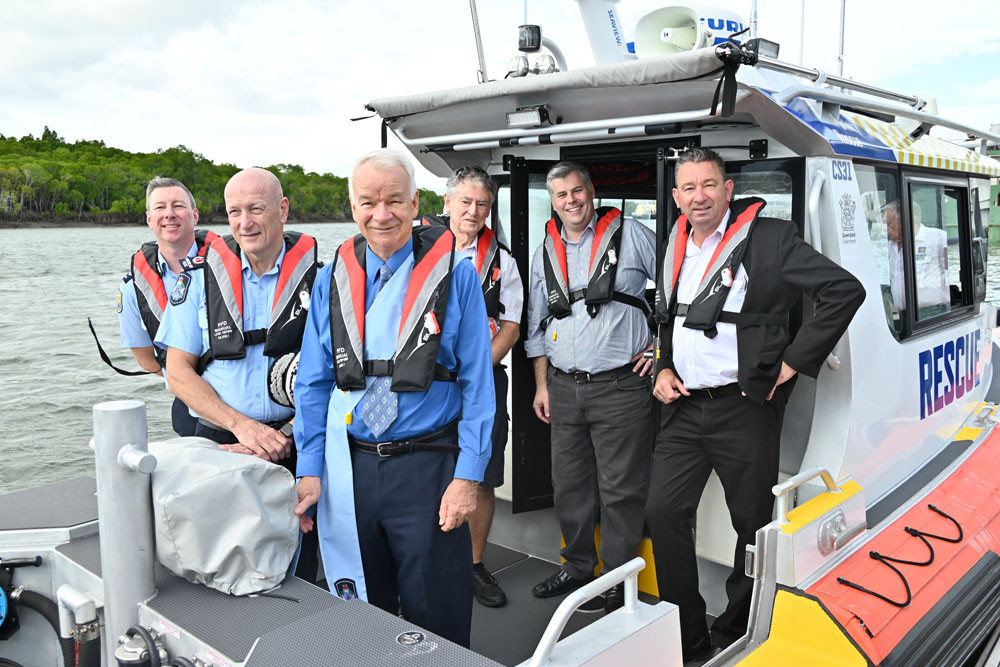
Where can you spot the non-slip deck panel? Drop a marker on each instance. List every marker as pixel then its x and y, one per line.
pixel 958 624
pixel 355 633
pixel 58 505
pixel 86 552
pixel 232 624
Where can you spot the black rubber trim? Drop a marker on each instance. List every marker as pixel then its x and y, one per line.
pixel 954 628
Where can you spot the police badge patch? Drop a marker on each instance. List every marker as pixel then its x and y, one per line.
pixel 346 589
pixel 119 301
pixel 180 291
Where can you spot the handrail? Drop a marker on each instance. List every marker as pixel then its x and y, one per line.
pixel 629 573
pixel 815 192
pixel 602 124
pixel 782 490
pixel 821 77
pixel 788 94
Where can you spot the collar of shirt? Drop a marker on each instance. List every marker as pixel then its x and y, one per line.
pixel 248 272
pixel 591 226
pixel 373 262
pixel 164 266
pixel 712 240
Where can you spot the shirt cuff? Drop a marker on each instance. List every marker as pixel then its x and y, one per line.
pixel 534 348
pixel 470 466
pixel 309 465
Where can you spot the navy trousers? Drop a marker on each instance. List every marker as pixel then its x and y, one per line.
pixel 410 564
pixel 183 422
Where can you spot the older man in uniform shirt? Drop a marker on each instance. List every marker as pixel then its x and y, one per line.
pixel 725 367
pixel 394 401
pixel 587 333
pixel 930 260
pixel 468 201
pixel 172 215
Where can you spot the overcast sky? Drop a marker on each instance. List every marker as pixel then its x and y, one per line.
pixel 263 82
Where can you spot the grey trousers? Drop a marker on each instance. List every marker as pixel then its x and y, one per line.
pixel 601 448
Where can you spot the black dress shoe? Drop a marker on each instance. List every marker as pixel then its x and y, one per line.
pixel 558 584
pixel 487 588
pixel 702 649
pixel 614 598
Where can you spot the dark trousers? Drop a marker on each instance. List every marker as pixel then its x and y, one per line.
pixel 739 440
pixel 601 445
pixel 410 564
pixel 493 477
pixel 308 567
pixel 181 419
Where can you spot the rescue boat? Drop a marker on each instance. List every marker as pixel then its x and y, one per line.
pixel 884 545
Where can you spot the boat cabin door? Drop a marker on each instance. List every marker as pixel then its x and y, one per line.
pixel 632 177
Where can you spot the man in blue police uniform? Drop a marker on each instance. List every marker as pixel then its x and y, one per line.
pixel 394 401
pixel 726 366
pixel 468 201
pixel 246 305
pixel 172 215
pixel 587 333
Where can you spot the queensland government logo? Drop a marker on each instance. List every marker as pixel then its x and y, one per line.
pixel 848 207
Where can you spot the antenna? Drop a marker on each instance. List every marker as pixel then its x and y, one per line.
pixel 481 74
pixel 840 56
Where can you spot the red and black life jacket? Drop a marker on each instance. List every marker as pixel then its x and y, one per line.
pixel 705 310
pixel 600 289
pixel 150 292
pixel 487 261
pixel 414 365
pixel 224 300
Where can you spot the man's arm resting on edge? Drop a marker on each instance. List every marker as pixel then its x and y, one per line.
pixel 146 359
pixel 187 385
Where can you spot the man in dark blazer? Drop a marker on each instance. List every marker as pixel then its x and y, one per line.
pixel 726 365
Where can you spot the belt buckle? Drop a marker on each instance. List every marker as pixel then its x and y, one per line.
pixel 581 377
pixel 379 446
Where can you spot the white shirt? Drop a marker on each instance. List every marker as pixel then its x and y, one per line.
pixel 704 362
pixel 931 264
pixel 511 287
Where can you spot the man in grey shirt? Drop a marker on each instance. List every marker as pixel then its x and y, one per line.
pixel 587 333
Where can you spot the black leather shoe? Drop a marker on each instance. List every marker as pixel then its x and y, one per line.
pixel 558 584
pixel 699 650
pixel 614 598
pixel 487 588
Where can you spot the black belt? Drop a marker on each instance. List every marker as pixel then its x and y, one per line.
pixel 583 377
pixel 444 439
pixel 724 391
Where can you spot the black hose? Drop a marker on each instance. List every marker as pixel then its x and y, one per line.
pixel 181 661
pixel 48 609
pixel 90 653
pixel 154 652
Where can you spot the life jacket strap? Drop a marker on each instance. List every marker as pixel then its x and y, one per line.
pixel 385 367
pixel 254 337
pixel 746 319
pixel 106 359
pixel 620 297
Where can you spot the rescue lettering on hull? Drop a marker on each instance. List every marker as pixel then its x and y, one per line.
pixel 948 372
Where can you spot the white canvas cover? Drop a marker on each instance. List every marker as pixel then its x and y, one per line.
pixel 222 519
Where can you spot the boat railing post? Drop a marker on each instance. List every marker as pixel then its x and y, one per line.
pixel 124 506
pixel 783 491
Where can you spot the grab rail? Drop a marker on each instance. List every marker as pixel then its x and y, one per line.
pixel 629 573
pixel 782 490
pixel 815 192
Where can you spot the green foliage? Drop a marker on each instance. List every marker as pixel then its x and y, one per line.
pixel 48 178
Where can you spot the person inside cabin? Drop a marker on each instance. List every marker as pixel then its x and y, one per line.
pixel 930 261
pixel 725 368
pixel 232 330
pixel 394 399
pixel 587 333
pixel 468 202
pixel 172 215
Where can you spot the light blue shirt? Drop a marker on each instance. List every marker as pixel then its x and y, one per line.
pixel 133 331
pixel 240 383
pixel 465 345
pixel 579 342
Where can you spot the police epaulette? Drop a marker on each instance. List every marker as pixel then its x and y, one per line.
pixel 127 277
pixel 192 263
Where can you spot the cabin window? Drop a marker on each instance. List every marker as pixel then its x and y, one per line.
pixel 763 180
pixel 926 246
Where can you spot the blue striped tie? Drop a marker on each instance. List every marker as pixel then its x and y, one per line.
pixel 380 405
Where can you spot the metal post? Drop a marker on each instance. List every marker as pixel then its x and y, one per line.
pixel 126 513
pixel 840 57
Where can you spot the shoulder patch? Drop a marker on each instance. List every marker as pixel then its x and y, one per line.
pixel 192 263
pixel 179 294
pixel 119 305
